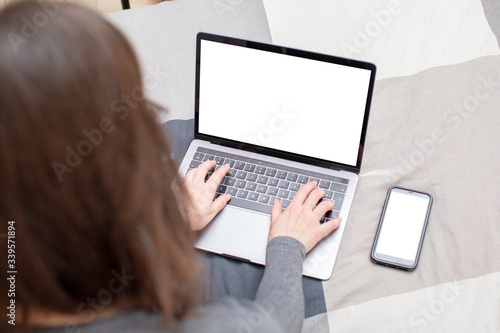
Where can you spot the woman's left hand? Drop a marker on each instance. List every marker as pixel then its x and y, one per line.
pixel 197 202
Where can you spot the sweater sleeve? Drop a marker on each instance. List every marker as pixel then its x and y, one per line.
pixel 278 306
pixel 280 291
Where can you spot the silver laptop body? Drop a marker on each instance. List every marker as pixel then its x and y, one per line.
pixel 280 117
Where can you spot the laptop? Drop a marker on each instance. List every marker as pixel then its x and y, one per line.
pixel 280 117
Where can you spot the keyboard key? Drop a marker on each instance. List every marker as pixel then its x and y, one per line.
pixel 271 172
pixel 324 199
pixel 230 162
pixel 229 181
pixel 194 164
pixel 314 179
pixel 253 205
pixel 264 198
pixel 338 198
pixel 262 179
pixel 303 179
pixel 253 196
pixel 251 177
pixel 294 186
pixel 251 186
pixel 240 183
pixel 285 203
pixel 328 194
pixel 331 214
pixel 208 157
pixel 283 194
pixel 261 188
pixel 260 170
pixel 231 173
pixel 198 156
pixel 324 184
pixel 338 187
pixel 219 160
pixel 272 191
pixel 283 184
pixel 281 174
pixel 292 195
pixel 239 165
pixel 241 174
pixel 221 189
pixel 292 177
pixel 340 180
pixel 232 191
pixel 250 167
pixel 273 182
pixel 242 194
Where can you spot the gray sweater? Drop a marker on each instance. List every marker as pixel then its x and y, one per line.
pixel 278 305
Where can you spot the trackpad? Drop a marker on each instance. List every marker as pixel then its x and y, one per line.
pixel 239 233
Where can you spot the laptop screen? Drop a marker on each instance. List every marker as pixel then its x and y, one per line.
pixel 284 102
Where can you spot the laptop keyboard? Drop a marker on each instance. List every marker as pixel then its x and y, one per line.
pixel 255 184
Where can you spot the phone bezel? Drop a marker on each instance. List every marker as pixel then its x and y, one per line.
pixel 396 262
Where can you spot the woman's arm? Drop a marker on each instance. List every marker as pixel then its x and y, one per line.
pixel 280 292
pixel 279 303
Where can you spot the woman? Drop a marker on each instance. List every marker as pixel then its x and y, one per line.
pixel 102 242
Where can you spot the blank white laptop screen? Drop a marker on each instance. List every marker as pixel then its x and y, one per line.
pixel 282 102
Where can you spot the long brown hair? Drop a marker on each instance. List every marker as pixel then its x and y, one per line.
pixel 85 171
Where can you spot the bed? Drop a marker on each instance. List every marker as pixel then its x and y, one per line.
pixel 434 126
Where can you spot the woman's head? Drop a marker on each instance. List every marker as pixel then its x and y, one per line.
pixel 85 171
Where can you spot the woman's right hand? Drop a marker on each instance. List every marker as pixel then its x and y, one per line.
pixel 300 220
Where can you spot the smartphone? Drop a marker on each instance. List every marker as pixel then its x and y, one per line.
pixel 401 229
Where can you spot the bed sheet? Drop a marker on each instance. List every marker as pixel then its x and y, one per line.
pixel 434 126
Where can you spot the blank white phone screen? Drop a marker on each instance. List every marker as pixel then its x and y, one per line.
pixel 404 220
pixel 278 101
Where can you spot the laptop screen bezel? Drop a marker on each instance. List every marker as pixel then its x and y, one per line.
pixel 291 52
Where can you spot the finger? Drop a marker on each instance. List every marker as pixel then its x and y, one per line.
pixel 188 177
pixel 202 170
pixel 276 210
pixel 330 225
pixel 314 197
pixel 322 208
pixel 220 203
pixel 304 192
pixel 217 176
